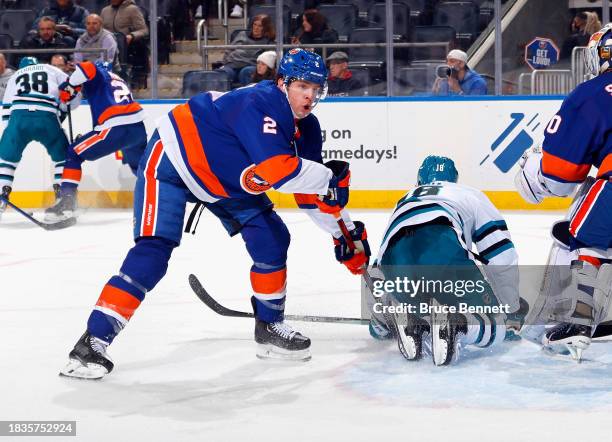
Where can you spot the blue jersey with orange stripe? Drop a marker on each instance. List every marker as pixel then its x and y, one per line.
pixel 109 97
pixel 243 142
pixel 577 137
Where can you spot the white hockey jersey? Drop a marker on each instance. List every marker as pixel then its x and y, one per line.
pixel 477 223
pixel 35 87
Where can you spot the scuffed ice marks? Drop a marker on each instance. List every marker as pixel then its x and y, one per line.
pixel 513 376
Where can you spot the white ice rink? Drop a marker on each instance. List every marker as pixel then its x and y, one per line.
pixel 184 373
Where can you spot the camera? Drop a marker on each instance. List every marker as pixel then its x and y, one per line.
pixel 444 71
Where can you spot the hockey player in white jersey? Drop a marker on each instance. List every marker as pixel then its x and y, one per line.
pixel 32 110
pixel 432 232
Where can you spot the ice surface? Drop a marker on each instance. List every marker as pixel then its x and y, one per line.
pixel 184 373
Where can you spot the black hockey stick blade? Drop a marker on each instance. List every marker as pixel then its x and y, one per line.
pixel 603 329
pixel 47 226
pixel 205 297
pixel 201 293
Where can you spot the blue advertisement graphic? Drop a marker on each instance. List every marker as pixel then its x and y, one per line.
pixel 511 152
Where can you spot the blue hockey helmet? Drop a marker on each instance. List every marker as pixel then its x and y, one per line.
pixel 435 168
pixel 104 65
pixel 299 64
pixel 28 61
pixel 598 56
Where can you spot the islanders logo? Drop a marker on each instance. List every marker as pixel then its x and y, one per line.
pixel 251 183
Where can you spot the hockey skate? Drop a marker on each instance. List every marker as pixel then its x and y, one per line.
pixel 64 208
pixel 447 329
pixel 568 337
pixel 57 192
pixel 412 332
pixel 88 359
pixel 277 340
pixel 6 191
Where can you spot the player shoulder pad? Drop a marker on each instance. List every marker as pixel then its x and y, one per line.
pixel 272 102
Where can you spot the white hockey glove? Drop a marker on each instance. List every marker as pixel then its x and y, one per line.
pixel 528 180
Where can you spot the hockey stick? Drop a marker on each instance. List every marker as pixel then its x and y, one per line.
pixel 70 125
pixel 47 226
pixel 351 245
pixel 205 297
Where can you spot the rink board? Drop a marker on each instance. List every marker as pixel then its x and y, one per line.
pixel 384 139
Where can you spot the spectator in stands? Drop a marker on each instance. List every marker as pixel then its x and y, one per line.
pixel 5 74
pixel 340 81
pixel 126 17
pixel 96 37
pixel 583 25
pixel 458 78
pixel 314 30
pixel 266 67
pixel 62 63
pixel 182 16
pixel 593 24
pixel 47 37
pixel 236 61
pixel 69 18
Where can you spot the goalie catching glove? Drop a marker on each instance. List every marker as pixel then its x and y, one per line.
pixel 355 260
pixel 528 180
pixel 338 191
pixel 68 91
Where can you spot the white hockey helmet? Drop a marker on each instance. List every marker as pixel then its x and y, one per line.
pixel 598 58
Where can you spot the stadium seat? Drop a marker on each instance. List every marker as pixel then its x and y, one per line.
pixel 6 41
pixel 363 6
pixel 93 6
pixel 363 75
pixel 235 32
pixel 270 11
pixel 418 9
pixel 202 81
pixel 342 18
pixel 412 80
pixel 16 22
pixel 34 5
pixel 371 56
pixel 462 16
pixel 426 34
pixel 401 23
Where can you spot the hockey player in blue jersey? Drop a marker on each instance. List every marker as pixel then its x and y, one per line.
pixel 429 236
pixel 226 150
pixel 118 125
pixel 576 139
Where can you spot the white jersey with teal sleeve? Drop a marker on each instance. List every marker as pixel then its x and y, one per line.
pixel 35 87
pixel 476 222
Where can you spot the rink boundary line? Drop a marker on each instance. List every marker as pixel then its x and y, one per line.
pixel 359 199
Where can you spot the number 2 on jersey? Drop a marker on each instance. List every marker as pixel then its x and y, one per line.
pixel 121 91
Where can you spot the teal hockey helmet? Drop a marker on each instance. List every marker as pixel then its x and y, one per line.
pixel 436 168
pixel 28 61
